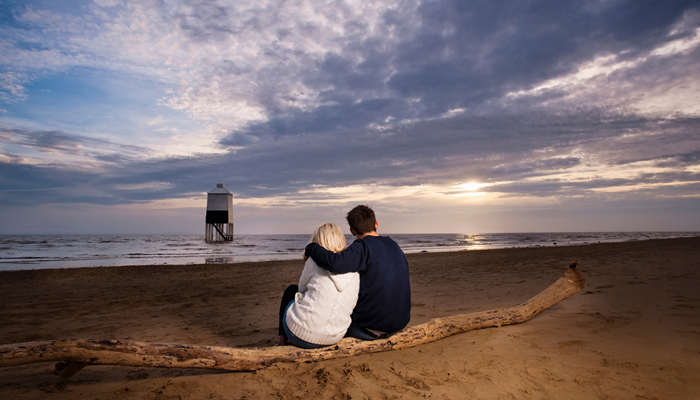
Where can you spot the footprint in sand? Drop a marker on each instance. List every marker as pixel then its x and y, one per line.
pixel 411 381
pixel 600 317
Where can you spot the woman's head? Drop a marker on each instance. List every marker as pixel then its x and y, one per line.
pixel 330 237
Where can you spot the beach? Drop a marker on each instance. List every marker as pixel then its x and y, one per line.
pixel 633 332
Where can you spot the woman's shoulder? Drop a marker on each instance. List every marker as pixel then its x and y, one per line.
pixel 311 265
pixel 313 271
pixel 322 278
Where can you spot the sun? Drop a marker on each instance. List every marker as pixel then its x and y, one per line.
pixel 471 186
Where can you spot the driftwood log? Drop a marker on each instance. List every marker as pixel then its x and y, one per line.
pixel 77 353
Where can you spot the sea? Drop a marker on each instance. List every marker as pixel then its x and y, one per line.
pixel 23 252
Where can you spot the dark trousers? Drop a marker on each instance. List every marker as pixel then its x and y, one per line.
pixel 287 297
pixel 361 333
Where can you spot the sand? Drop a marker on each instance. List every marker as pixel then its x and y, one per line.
pixel 633 333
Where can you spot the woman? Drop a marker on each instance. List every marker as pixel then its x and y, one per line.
pixel 316 313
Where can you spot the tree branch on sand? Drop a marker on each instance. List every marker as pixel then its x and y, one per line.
pixel 77 353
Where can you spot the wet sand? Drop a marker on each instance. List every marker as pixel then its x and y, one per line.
pixel 634 332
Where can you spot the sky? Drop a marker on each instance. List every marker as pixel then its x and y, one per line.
pixel 444 116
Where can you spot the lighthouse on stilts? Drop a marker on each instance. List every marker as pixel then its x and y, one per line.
pixel 219 220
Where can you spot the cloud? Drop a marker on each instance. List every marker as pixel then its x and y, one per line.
pixel 515 155
pixel 292 103
pixel 247 64
pixel 463 57
pixel 218 57
pixel 12 87
pixel 661 81
pixel 65 149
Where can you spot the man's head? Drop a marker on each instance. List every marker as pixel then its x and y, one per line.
pixel 361 220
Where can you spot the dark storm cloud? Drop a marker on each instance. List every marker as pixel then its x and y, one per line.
pixel 204 21
pixel 383 111
pixel 31 185
pixel 68 143
pixel 516 169
pixel 15 177
pixel 563 189
pixel 689 158
pixel 324 119
pixel 461 148
pixel 469 55
pixel 24 184
pixel 43 140
pixel 466 53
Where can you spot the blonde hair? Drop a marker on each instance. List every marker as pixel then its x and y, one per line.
pixel 330 237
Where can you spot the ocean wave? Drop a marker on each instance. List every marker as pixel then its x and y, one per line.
pixel 47 251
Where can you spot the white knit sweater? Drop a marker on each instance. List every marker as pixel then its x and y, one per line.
pixel 321 310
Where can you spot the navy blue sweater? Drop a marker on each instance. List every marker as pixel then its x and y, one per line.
pixel 384 301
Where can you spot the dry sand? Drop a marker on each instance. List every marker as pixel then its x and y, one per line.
pixel 633 333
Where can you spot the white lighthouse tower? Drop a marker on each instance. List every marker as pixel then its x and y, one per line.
pixel 219 220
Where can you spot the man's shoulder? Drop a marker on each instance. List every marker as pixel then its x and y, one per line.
pixel 388 241
pixel 384 242
pixel 382 238
pixel 358 243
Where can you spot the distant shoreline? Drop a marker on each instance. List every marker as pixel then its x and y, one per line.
pixel 410 254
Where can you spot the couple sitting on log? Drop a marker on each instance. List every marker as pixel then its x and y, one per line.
pixel 361 291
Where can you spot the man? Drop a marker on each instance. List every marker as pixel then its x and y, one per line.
pixel 384 300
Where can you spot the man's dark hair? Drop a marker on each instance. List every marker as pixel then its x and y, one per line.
pixel 361 220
